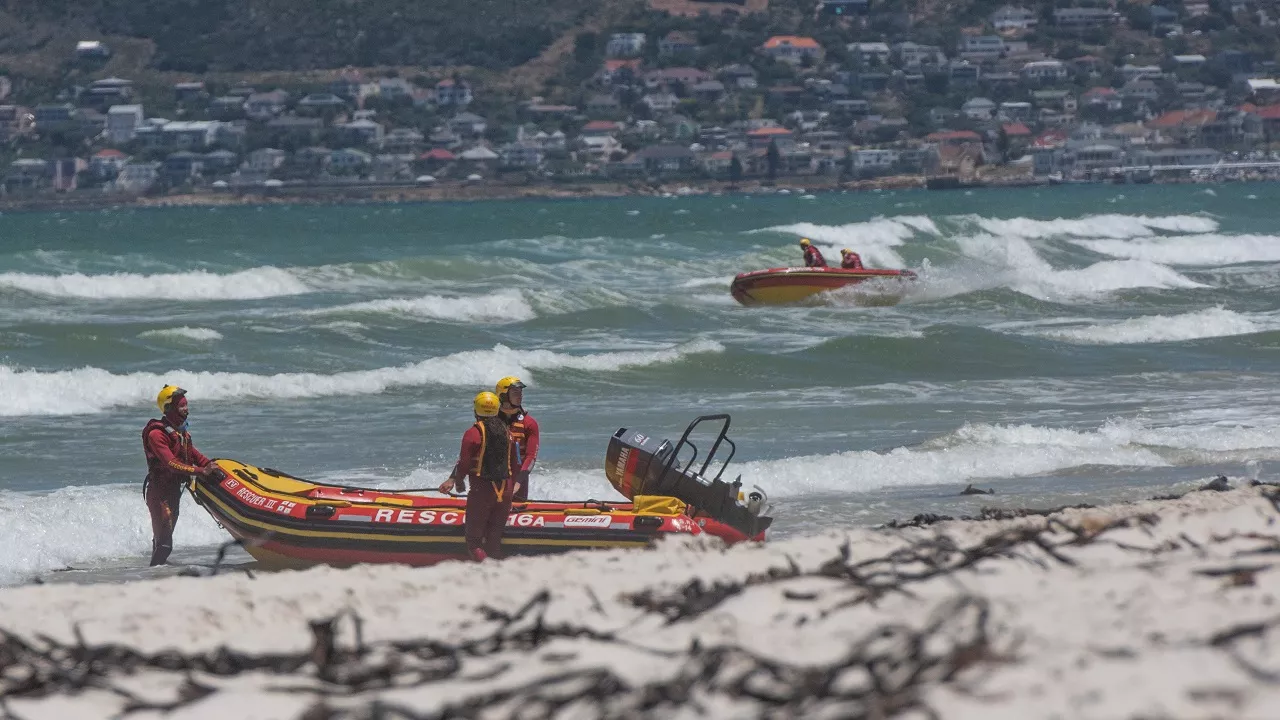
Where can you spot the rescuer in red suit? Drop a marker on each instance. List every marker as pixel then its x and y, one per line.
pixel 524 430
pixel 486 460
pixel 812 255
pixel 171 461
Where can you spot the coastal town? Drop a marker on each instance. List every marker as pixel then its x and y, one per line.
pixel 1042 94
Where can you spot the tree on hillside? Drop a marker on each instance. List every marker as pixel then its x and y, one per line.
pixel 773 158
pixel 585 46
pixel 735 170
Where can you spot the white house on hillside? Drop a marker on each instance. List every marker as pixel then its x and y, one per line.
pixel 123 122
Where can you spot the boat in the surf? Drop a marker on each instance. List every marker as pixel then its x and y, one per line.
pixel 285 521
pixel 778 286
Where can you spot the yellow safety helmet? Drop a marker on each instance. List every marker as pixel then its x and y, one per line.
pixel 845 251
pixel 507 383
pixel 486 404
pixel 804 242
pixel 168 394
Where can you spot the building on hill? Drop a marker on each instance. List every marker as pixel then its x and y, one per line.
pixel 625 45
pixel 123 122
pixel 740 76
pixel 1011 18
pixel 1044 72
pixel 792 49
pixel 453 93
pixel 92 50
pixel 264 106
pixel 468 124
pixel 915 55
pixel 678 42
pixel 190 92
pixel 620 72
pixel 106 164
pixel 981 47
pixel 136 177
pixel 1083 17
pixel 322 103
pixel 870 54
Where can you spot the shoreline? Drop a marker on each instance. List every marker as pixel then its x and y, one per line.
pixel 352 194
pixel 1154 608
pixel 393 193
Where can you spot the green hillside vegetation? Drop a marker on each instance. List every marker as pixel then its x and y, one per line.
pixel 247 35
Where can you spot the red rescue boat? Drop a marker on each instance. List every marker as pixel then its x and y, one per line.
pixel 287 522
pixel 779 286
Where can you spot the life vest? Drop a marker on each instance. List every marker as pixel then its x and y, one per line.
pixel 813 257
pixel 493 471
pixel 179 444
pixel 519 433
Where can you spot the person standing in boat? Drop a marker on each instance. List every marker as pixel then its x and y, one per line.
pixel 850 260
pixel 812 255
pixel 171 461
pixel 486 460
pixel 524 431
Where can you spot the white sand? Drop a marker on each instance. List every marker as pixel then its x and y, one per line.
pixel 1125 631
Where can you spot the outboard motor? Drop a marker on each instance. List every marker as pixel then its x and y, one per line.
pixel 640 464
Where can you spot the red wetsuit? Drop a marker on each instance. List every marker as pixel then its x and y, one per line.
pixel 852 262
pixel 813 257
pixel 171 460
pixel 524 430
pixel 489 494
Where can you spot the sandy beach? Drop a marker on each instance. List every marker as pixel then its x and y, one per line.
pixel 1164 608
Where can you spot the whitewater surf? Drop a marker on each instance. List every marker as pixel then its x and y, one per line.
pixel 1060 346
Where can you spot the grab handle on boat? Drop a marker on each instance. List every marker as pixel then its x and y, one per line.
pixel 320 511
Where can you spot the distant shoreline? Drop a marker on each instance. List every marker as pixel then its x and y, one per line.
pixel 359 194
pixel 441 192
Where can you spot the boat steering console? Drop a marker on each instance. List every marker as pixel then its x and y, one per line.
pixel 640 464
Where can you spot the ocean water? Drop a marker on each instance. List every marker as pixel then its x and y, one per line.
pixel 1063 345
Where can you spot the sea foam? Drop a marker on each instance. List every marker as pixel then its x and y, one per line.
pixel 90 389
pixel 253 284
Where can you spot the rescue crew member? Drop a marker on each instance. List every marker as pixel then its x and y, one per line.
pixel 850 260
pixel 171 461
pixel 812 255
pixel 524 431
pixel 485 459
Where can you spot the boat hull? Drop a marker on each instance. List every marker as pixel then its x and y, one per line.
pixel 286 522
pixel 781 286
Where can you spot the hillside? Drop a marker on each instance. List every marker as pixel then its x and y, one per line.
pixel 250 35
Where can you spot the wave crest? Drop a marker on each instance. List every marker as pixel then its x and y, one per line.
pixel 254 284
pixel 90 389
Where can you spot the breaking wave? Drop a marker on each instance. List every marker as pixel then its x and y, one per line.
pixel 1212 250
pixel 1095 226
pixel 498 307
pixel 1211 323
pixel 183 333
pixel 254 284
pixel 89 389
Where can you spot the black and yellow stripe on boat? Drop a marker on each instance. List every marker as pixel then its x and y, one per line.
pixel 443 534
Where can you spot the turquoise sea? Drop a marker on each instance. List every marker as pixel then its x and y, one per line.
pixel 1063 345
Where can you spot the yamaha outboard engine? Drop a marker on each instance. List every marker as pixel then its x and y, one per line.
pixel 639 464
